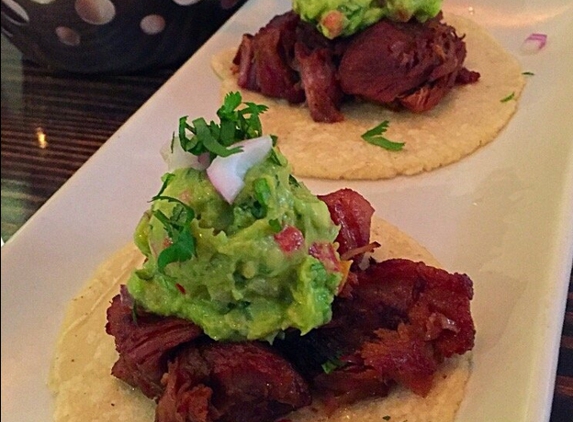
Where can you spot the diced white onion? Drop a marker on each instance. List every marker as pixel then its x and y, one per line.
pixel 227 173
pixel 176 157
pixel 533 43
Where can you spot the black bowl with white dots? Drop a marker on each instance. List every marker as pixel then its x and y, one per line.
pixel 112 36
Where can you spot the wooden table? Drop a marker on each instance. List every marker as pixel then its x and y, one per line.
pixel 75 115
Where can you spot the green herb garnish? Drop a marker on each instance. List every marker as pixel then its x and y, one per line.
pixel 508 98
pixel 178 228
pixel 275 225
pixel 167 178
pixel 263 194
pixel 528 73
pixel 277 159
pixel 332 364
pixel 386 418
pixel 234 125
pixel 374 137
pixel 293 182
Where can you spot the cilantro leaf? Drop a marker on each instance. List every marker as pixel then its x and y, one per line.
pixel 179 251
pixel 207 134
pixel 508 98
pixel 275 225
pixel 178 228
pixel 374 137
pixel 167 178
pixel 332 364
pixel 235 124
pixel 263 195
pixel 262 191
pixel 293 182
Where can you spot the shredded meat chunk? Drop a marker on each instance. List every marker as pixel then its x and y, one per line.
pixel 145 342
pixel 321 88
pixel 408 65
pixel 265 60
pixel 195 379
pixel 353 213
pixel 396 323
pixel 230 382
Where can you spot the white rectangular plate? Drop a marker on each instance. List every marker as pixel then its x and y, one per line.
pixel 504 215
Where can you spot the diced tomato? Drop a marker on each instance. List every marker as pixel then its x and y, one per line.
pixel 333 21
pixel 289 239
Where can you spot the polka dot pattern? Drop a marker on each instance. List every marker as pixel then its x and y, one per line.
pixel 96 12
pixel 68 36
pixel 15 13
pixel 152 24
pixel 92 36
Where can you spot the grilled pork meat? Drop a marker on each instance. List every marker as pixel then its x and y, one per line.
pixel 395 322
pixel 145 342
pixel 230 382
pixel 411 65
pixel 353 213
pixel 408 65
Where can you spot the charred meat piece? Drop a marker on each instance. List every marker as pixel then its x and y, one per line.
pixel 145 342
pixel 410 64
pixel 265 60
pixel 399 320
pixel 288 59
pixel 321 88
pixel 195 379
pixel 230 382
pixel 353 213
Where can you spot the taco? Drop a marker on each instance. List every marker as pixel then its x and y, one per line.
pixel 461 118
pixel 248 298
pixel 85 390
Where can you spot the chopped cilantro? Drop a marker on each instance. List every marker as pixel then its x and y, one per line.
pixel 178 228
pixel 328 367
pixel 277 159
pixel 332 364
pixel 508 98
pixel 293 182
pixel 234 125
pixel 374 137
pixel 528 73
pixel 144 274
pixel 275 225
pixel 167 178
pixel 257 210
pixel 262 195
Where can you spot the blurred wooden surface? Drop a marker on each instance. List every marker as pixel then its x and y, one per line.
pixel 53 122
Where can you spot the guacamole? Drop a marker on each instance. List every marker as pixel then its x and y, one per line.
pixel 261 264
pixel 345 17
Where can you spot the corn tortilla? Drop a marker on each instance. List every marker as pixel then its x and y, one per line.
pixel 468 117
pixel 84 389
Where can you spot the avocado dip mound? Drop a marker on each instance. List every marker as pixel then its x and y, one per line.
pixel 249 299
pixel 242 265
pixel 334 18
pixel 253 273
